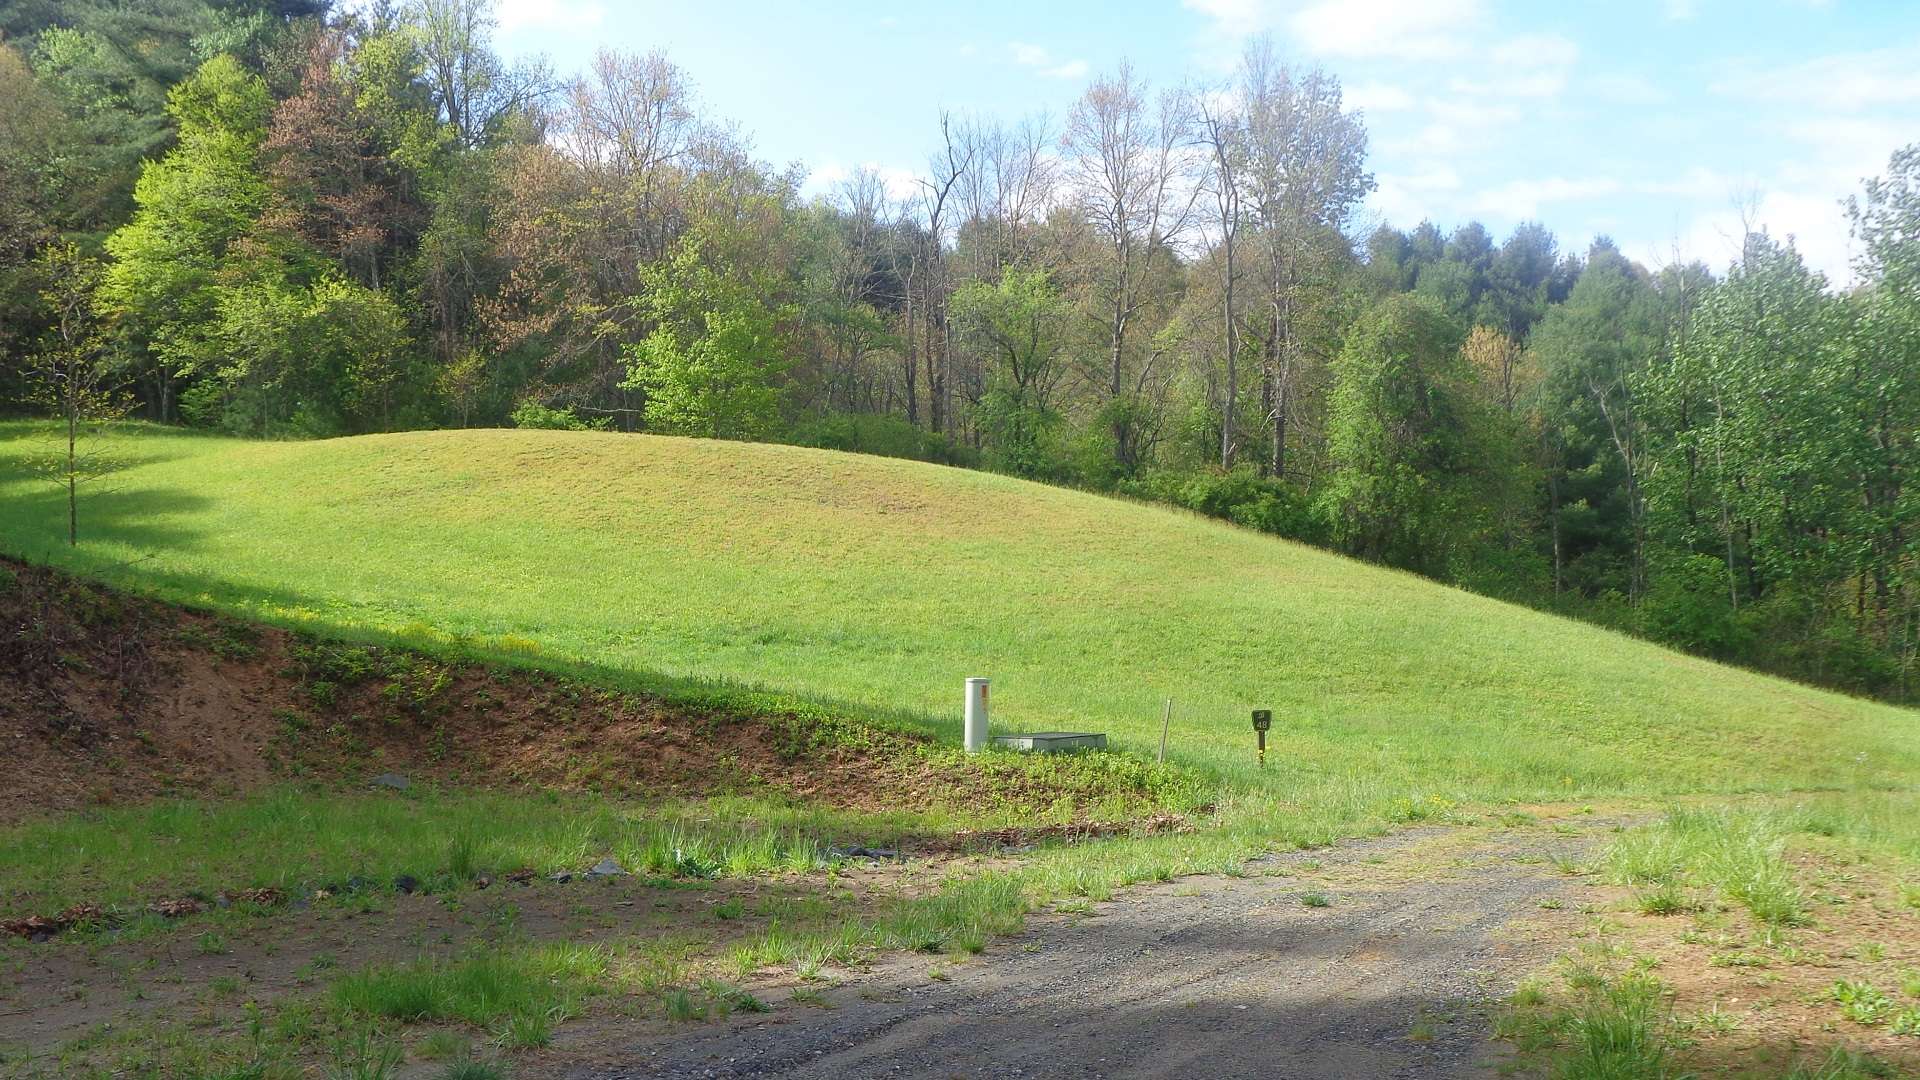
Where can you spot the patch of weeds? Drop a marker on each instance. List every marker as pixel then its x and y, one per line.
pixel 474 1070
pixel 731 908
pixel 1739 853
pixel 530 1029
pixel 1842 1064
pixel 958 919
pixel 1421 1031
pixel 1714 1020
pixel 684 1006
pixel 807 995
pixel 1665 899
pixel 728 998
pixel 1314 898
pixel 211 943
pixel 442 1046
pixel 1861 1002
pixel 938 974
pixel 483 988
pixel 234 640
pixel 366 1056
pixel 1906 1023
pixel 1608 1029
pixel 463 856
pixel 224 985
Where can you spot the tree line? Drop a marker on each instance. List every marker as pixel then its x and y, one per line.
pixel 274 219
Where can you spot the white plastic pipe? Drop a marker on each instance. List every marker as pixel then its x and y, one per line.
pixel 976 732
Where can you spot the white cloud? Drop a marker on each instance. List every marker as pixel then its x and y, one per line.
pixel 1455 126
pixel 1377 97
pixel 1527 66
pixel 1536 51
pixel 1394 29
pixel 1841 116
pixel 1625 88
pixel 1697 182
pixel 1407 198
pixel 520 15
pixel 1384 29
pixel 1681 10
pixel 1026 55
pixel 825 179
pixel 1817 225
pixel 1038 58
pixel 1235 17
pixel 1877 77
pixel 1523 198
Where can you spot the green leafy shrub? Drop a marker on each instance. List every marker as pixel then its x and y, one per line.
pixel 883 436
pixel 532 414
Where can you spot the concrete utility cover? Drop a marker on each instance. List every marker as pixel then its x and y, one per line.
pixel 1052 742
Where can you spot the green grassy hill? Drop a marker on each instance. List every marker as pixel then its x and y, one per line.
pixel 880 584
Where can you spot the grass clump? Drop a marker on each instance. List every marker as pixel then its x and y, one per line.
pixel 1739 853
pixel 443 1046
pixel 960 918
pixel 1666 898
pixel 527 985
pixel 366 1055
pixel 1843 1064
pixel 1602 1028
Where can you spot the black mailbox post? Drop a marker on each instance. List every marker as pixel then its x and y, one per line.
pixel 1262 720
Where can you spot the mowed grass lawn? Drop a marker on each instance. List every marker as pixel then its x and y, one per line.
pixel 881 584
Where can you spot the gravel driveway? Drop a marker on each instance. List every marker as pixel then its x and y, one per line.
pixel 1197 978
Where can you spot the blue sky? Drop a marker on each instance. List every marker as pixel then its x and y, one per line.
pixel 1653 121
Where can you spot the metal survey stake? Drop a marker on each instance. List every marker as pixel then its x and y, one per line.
pixel 1262 720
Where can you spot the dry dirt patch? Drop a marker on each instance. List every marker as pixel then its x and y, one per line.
pixel 1752 1001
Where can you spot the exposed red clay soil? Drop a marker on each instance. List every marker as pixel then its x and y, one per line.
pixel 107 698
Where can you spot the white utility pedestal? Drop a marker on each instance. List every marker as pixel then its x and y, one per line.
pixel 976 730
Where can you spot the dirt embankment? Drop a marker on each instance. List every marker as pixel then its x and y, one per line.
pixel 107 698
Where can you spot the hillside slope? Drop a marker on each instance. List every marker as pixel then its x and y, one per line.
pixel 882 583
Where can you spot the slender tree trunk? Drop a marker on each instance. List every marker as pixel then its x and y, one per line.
pixel 1276 396
pixel 1266 405
pixel 1553 524
pixel 73 478
pixel 912 370
pixel 1228 408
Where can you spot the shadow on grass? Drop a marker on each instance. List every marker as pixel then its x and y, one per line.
pixel 138 520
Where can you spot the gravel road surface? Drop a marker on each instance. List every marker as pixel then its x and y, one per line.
pixel 1424 932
